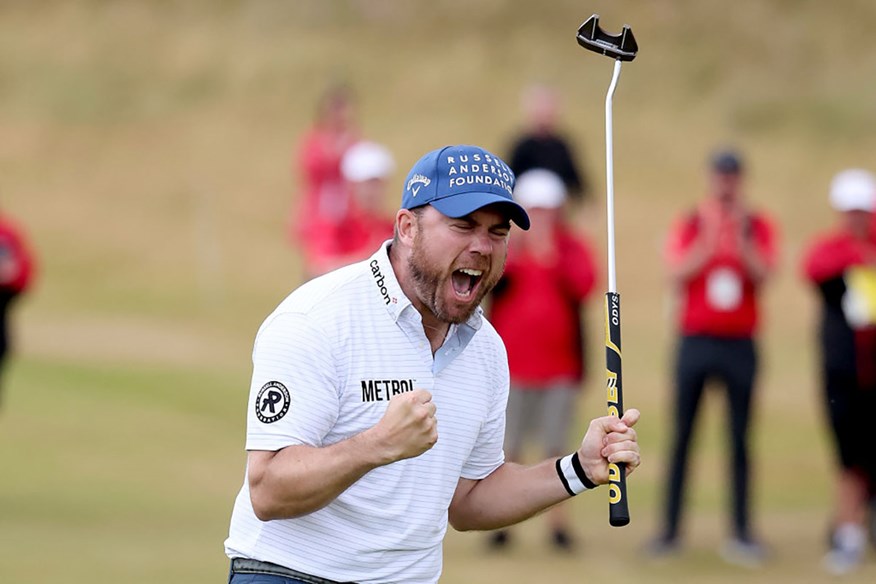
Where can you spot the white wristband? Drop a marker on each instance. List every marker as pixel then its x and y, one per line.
pixel 572 475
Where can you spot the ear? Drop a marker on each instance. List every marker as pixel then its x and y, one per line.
pixel 406 226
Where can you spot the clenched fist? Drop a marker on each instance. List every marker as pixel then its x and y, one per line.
pixel 408 428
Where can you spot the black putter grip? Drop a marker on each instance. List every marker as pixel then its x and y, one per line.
pixel 618 511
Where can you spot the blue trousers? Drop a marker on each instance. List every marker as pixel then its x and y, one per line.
pixel 261 579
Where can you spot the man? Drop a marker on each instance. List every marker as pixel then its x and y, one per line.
pixel 541 143
pixel 377 407
pixel 323 207
pixel 537 310
pixel 719 257
pixel 16 275
pixel 366 168
pixel 841 265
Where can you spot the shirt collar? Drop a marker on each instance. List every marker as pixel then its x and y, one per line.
pixel 389 292
pixel 386 286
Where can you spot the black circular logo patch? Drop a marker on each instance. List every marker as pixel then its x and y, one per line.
pixel 272 402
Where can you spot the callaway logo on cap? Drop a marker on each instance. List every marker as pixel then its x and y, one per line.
pixel 417 179
pixel 458 180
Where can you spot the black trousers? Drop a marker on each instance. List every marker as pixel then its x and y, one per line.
pixel 6 299
pixel 733 362
pixel 850 410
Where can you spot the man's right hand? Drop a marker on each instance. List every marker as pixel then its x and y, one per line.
pixel 298 479
pixel 408 428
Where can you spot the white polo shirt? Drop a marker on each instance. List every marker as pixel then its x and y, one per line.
pixel 325 364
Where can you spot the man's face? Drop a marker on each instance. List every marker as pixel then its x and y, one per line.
pixel 725 186
pixel 542 108
pixel 454 263
pixel 369 194
pixel 858 222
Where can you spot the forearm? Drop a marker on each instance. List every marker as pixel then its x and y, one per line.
pixel 756 266
pixel 511 494
pixel 691 264
pixel 298 480
pixel 577 278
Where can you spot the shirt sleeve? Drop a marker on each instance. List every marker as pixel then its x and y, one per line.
pixel 570 173
pixel 15 250
pixel 679 239
pixel 294 391
pixel 487 454
pixel 577 268
pixel 766 238
pixel 829 257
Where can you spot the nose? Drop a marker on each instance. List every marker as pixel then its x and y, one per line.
pixel 481 242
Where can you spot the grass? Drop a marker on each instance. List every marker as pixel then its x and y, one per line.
pixel 147 148
pixel 110 468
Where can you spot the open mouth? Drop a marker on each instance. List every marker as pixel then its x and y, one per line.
pixel 465 281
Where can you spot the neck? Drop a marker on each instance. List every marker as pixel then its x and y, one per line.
pixel 435 329
pixel 861 232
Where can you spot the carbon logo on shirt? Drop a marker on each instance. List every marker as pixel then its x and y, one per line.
pixel 272 402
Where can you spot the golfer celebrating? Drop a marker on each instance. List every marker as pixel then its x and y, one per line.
pixel 377 406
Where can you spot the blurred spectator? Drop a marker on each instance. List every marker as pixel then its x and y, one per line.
pixel 324 203
pixel 16 274
pixel 541 143
pixel 719 256
pixel 536 308
pixel 842 265
pixel 366 167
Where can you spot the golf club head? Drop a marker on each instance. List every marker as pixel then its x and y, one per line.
pixel 617 46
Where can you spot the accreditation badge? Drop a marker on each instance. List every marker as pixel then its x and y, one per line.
pixel 723 289
pixel 859 301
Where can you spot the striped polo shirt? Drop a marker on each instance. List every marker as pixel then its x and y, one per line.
pixel 325 364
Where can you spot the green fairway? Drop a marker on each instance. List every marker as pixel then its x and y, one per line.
pixel 147 148
pixel 124 473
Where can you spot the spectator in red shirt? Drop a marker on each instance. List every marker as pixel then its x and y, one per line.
pixel 16 274
pixel 536 308
pixel 324 205
pixel 839 264
pixel 366 168
pixel 719 256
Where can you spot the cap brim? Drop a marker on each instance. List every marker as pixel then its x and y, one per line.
pixel 846 206
pixel 465 203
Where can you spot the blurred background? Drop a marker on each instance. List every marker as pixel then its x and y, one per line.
pixel 147 148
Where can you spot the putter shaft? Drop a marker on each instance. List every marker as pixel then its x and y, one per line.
pixel 609 177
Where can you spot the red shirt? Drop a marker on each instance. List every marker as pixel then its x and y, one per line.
pixel 325 204
pixel 832 254
pixel 825 264
pixel 354 241
pixel 536 310
pixel 18 273
pixel 721 299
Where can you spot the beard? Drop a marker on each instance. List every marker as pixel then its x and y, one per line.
pixel 429 278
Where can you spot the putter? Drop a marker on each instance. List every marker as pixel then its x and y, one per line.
pixel 621 47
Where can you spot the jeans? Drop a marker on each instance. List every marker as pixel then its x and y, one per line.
pixel 247 571
pixel 261 579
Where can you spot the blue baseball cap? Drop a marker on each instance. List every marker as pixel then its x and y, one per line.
pixel 458 180
pixel 727 162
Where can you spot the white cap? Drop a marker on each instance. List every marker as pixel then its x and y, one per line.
pixel 365 161
pixel 853 190
pixel 540 188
